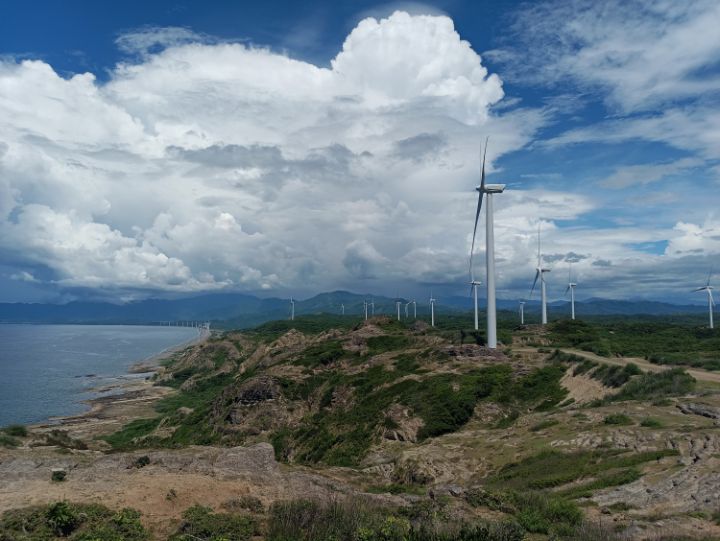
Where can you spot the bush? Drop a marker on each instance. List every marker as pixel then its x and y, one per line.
pixel 8 441
pixel 617 419
pixel 651 385
pixel 18 431
pixel 544 424
pixel 649 422
pixel 201 523
pixel 58 476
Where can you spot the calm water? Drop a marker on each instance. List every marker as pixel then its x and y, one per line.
pixel 47 370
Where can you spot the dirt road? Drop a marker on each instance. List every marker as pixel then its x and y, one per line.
pixel 698 374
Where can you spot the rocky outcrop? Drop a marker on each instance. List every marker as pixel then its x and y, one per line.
pixel 700 409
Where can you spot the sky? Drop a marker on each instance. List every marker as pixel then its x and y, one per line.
pixel 166 148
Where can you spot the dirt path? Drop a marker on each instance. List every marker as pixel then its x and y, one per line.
pixel 698 374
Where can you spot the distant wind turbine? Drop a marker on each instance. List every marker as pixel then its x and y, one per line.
pixel 372 307
pixel 414 309
pixel 292 309
pixel 711 302
pixel 489 190
pixel 365 305
pixel 540 273
pixel 571 289
pixel 342 309
pixel 406 309
pixel 432 310
pixel 397 304
pixel 522 312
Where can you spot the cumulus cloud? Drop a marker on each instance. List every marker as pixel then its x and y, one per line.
pixel 203 165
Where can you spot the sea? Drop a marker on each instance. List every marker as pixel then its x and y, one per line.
pixel 48 371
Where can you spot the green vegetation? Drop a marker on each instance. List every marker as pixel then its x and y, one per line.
pixel 660 341
pixel 8 441
pixel 17 431
pixel 544 424
pixel 673 382
pixel 381 344
pixel 324 353
pixel 444 402
pixel 75 522
pixel 201 523
pixel 649 422
pixel 617 419
pixel 306 520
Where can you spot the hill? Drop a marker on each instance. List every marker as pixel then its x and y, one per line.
pixel 395 427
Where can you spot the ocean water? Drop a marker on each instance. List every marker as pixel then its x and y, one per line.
pixel 48 370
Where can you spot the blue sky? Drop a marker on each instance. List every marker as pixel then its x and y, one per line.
pixel 168 148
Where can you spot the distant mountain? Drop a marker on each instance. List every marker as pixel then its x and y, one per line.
pixel 242 311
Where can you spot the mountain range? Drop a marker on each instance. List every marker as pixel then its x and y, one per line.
pixel 243 311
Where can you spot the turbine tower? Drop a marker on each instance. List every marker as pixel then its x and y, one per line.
pixel 406 309
pixel 414 309
pixel 397 304
pixel 489 190
pixel 292 309
pixel 372 307
pixel 540 273
pixel 522 312
pixel 571 289
pixel 711 302
pixel 365 305
pixel 432 310
pixel 342 309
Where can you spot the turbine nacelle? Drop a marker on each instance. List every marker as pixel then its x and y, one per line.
pixel 491 188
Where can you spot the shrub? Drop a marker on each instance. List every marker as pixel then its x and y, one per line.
pixel 201 523
pixel 651 385
pixel 18 431
pixel 62 517
pixel 8 441
pixel 58 475
pixel 617 419
pixel 544 424
pixel 141 461
pixel 649 422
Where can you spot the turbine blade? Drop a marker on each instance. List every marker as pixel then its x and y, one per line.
pixel 482 174
pixel 538 244
pixel 712 301
pixel 699 289
pixel 568 289
pixel 537 273
pixel 472 246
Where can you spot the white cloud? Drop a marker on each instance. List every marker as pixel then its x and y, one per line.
pixel 210 165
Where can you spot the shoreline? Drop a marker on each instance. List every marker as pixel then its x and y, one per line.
pixel 130 398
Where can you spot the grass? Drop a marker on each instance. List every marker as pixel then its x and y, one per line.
pixel 551 468
pixel 309 520
pixel 649 422
pixel 617 419
pixel 8 441
pixel 544 424
pixel 201 523
pixel 16 431
pixel 651 386
pixel 79 522
pixel 444 402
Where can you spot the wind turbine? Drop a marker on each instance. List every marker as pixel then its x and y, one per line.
pixel 292 309
pixel 414 309
pixel 571 289
pixel 522 312
pixel 711 302
pixel 342 309
pixel 365 305
pixel 397 304
pixel 406 309
pixel 539 273
pixel 489 190
pixel 372 307
pixel 432 310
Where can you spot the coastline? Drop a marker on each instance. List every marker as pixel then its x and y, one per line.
pixel 130 399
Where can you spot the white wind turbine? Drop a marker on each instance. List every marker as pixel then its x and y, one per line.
pixel 292 309
pixel 397 304
pixel 365 305
pixel 406 309
pixel 571 289
pixel 372 307
pixel 711 302
pixel 489 190
pixel 414 309
pixel 540 273
pixel 342 309
pixel 522 312
pixel 432 310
